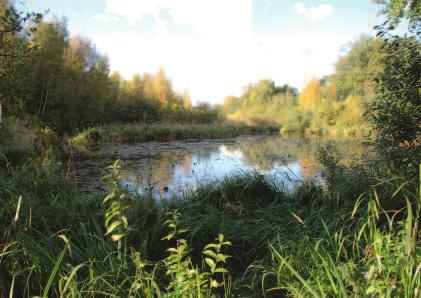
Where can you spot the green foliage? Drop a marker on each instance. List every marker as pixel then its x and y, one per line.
pixel 333 105
pixel 13 51
pixel 116 202
pixel 396 111
pixel 344 184
pixel 260 104
pixel 367 257
pixel 355 71
pixel 185 278
pixel 66 85
pixel 396 10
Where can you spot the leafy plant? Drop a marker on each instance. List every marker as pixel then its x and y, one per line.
pixel 186 279
pixel 116 203
pixel 396 110
pixel 216 259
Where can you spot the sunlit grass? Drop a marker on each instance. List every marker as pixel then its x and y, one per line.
pixel 164 132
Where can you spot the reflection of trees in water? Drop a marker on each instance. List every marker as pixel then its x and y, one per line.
pixel 263 153
pixel 157 166
pixel 162 172
pixel 257 154
pixel 309 167
pixel 159 172
pixel 187 163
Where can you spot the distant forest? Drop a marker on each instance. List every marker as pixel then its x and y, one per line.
pixel 63 82
pixel 333 104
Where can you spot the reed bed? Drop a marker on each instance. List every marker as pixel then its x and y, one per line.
pixel 164 132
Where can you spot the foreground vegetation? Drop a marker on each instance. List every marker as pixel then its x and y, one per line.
pixel 164 132
pixel 57 242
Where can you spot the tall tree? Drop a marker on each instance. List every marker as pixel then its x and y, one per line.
pixel 396 110
pixel 186 100
pixel 311 95
pixel 355 71
pixel 162 87
pixel 43 69
pixel 13 48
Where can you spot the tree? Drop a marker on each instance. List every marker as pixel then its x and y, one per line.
pixel 353 111
pixel 311 95
pixel 135 96
pixel 67 80
pixel 396 10
pixel 85 85
pixel 13 48
pixel 187 104
pixel 231 104
pixel 286 89
pixel 44 67
pixel 355 71
pixel 261 92
pixel 396 111
pixel 162 87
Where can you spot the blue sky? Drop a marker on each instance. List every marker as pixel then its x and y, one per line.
pixel 214 47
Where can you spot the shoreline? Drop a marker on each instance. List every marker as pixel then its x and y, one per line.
pixel 164 133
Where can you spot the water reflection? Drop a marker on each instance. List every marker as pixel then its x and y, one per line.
pixel 165 169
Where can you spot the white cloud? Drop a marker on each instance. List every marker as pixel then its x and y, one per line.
pixel 210 71
pixel 209 64
pixel 210 18
pixel 314 13
pixel 105 18
pixel 221 57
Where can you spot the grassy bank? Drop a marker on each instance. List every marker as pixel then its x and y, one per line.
pixel 164 132
pixel 57 242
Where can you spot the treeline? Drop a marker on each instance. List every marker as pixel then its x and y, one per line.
pixel 64 82
pixel 151 98
pixel 333 104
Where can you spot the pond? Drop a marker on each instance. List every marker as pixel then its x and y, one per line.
pixel 162 169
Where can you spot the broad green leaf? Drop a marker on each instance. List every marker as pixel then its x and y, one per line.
pixel 210 253
pixel 221 270
pixel 210 263
pixel 112 227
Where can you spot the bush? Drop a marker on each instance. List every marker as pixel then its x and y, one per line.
pixel 396 110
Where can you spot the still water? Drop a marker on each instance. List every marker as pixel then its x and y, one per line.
pixel 165 169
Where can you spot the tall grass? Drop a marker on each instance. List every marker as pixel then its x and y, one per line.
pixel 375 252
pixel 164 132
pixel 242 236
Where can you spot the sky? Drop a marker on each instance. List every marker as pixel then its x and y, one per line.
pixel 213 48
